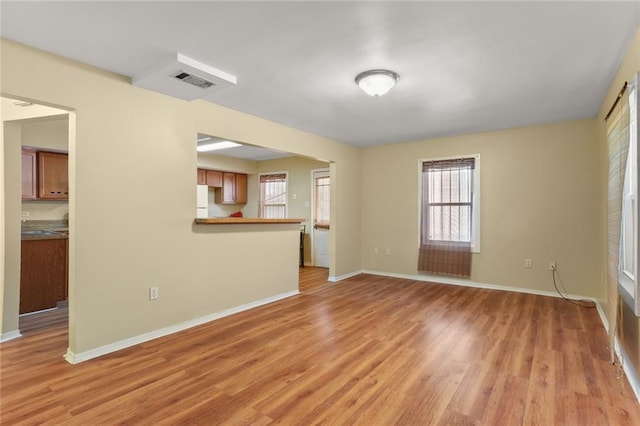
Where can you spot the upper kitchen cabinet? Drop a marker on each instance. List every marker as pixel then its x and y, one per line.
pixel 241 188
pixel 214 178
pixel 234 189
pixel 29 174
pixel 202 177
pixel 53 176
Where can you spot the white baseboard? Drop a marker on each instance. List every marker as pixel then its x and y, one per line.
pixel 73 358
pixel 9 335
pixel 334 279
pixel 634 382
pixel 468 283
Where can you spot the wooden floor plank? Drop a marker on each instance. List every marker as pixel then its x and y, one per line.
pixel 369 350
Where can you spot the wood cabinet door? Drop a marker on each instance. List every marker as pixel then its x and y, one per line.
pixel 228 188
pixel 29 176
pixel 53 176
pixel 241 188
pixel 42 274
pixel 214 178
pixel 202 177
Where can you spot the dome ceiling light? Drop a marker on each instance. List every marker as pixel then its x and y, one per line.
pixel 376 82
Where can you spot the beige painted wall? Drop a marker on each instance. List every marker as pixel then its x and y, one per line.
pixel 299 180
pixel 539 201
pixel 12 199
pixel 132 201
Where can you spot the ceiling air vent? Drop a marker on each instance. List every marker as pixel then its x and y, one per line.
pixel 167 78
pixel 194 79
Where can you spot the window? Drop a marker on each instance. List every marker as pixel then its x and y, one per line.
pixel 449 215
pixel 273 195
pixel 322 201
pixel 628 257
pixel 451 201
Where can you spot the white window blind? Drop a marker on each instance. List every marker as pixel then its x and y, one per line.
pixel 273 196
pixel 449 215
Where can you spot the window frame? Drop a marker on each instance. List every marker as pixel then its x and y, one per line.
pixel 286 198
pixel 475 200
pixel 628 280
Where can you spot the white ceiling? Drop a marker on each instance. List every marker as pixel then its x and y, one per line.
pixel 247 152
pixel 464 67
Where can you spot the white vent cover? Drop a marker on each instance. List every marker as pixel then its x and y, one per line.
pixel 184 78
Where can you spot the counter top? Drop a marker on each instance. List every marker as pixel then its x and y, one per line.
pixel 47 235
pixel 244 221
pixel 44 229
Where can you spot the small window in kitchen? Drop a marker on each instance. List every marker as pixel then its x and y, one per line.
pixel 273 195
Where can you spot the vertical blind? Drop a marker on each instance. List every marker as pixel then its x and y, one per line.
pixel 617 149
pixel 273 196
pixel 446 222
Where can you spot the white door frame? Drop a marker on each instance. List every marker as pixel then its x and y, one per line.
pixel 313 211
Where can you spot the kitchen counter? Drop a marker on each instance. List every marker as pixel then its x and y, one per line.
pixel 244 221
pixel 45 230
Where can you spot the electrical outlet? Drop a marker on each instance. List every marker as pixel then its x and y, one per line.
pixel 153 293
pixel 25 214
pixel 375 251
pixel 388 252
pixel 528 263
pixel 553 266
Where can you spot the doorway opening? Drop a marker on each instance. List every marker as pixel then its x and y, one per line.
pixel 36 141
pixel 320 217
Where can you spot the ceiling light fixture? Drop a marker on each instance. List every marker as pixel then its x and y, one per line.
pixel 376 82
pixel 216 146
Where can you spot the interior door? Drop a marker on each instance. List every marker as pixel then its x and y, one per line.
pixel 321 218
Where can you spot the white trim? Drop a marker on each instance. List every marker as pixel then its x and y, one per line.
pixel 333 279
pixel 467 283
pixel 73 358
pixel 10 335
pixel 476 215
pixel 603 316
pixel 632 377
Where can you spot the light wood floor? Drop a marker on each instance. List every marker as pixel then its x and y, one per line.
pixel 368 350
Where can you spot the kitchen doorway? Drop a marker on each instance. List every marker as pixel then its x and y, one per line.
pixel 35 215
pixel 320 216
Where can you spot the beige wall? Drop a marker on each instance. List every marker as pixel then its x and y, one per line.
pixel 539 197
pixel 12 200
pixel 132 201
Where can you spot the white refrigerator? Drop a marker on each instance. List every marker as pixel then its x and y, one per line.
pixel 202 203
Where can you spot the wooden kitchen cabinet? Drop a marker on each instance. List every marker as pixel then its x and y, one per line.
pixel 43 274
pixel 214 178
pixel 202 177
pixel 29 174
pixel 241 188
pixel 233 190
pixel 53 176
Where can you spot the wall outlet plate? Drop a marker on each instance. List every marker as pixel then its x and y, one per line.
pixel 153 293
